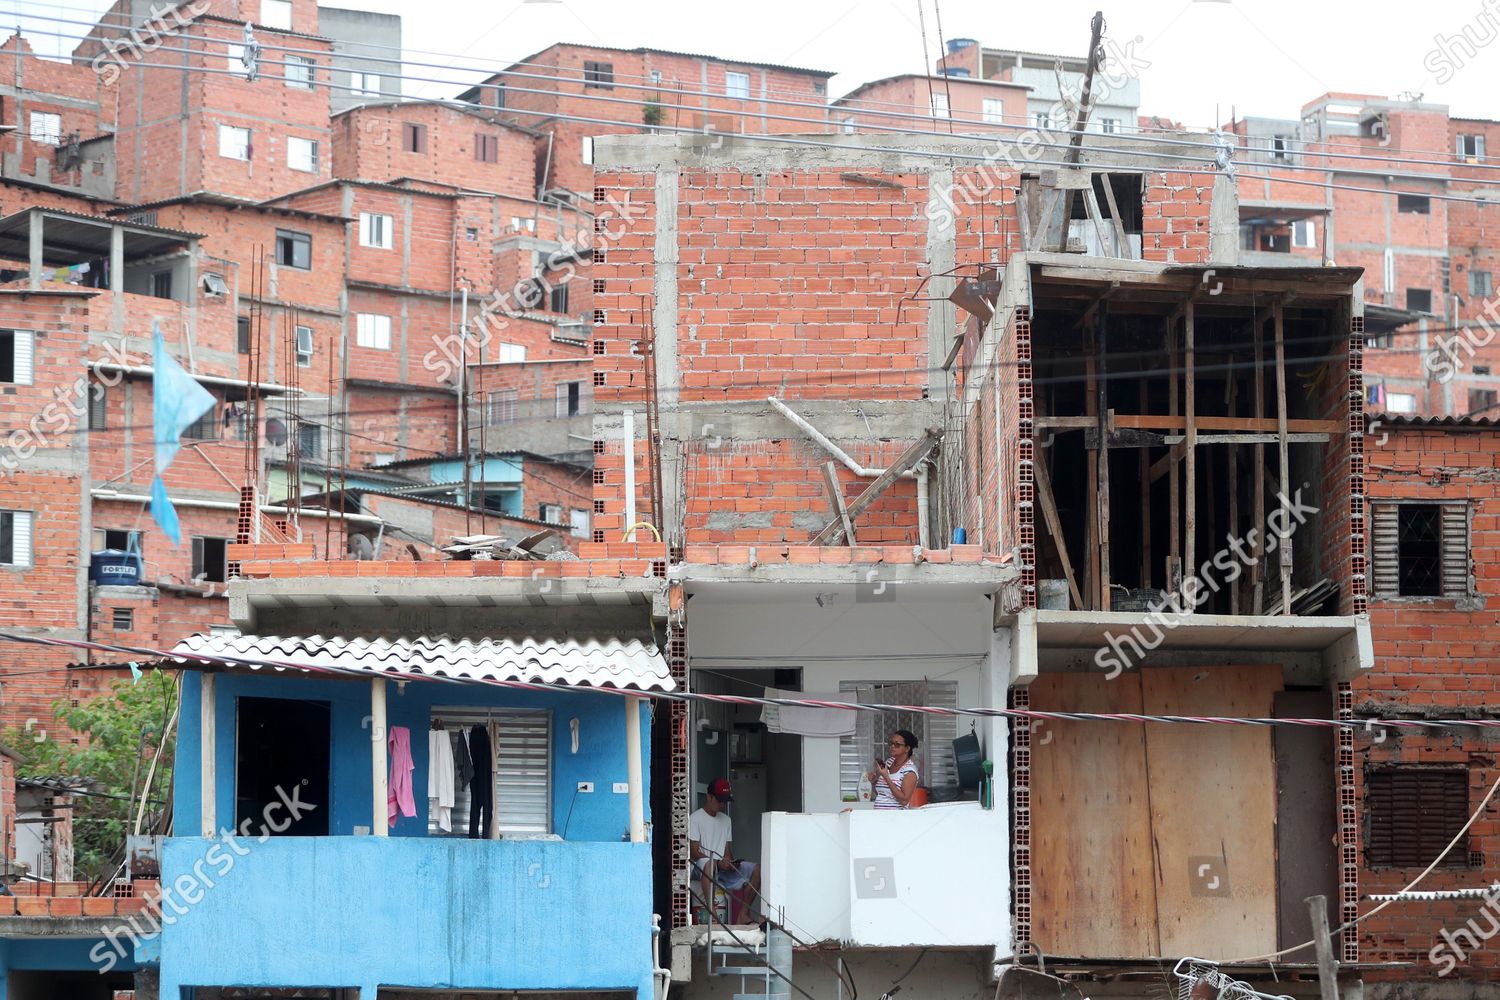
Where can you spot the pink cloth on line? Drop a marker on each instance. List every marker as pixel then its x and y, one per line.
pixel 399 793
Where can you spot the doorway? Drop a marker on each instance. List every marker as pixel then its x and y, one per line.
pixel 282 745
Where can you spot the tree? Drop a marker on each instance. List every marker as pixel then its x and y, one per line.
pixel 119 734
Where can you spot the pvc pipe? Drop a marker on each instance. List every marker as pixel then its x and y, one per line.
pixel 829 446
pixel 629 441
pixel 266 508
pixel 922 507
pixel 634 769
pixel 379 818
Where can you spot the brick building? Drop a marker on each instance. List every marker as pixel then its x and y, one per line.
pixel 913 101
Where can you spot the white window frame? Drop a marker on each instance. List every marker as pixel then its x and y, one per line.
pixel 935 733
pixel 1040 119
pixel 500 407
pixel 307 163
pixel 276 14
pixel 522 795
pixel 304 69
pixel 23 357
pixel 1477 141
pixel 1304 234
pixel 377 230
pixel 363 84
pixel 737 85
pixel 562 398
pixel 234 142
pixel 939 105
pixel 304 345
pixel 578 523
pixel 586 152
pixel 551 513
pixel 234 56
pixel 510 353
pixel 21 525
pixel 45 127
pixel 1109 126
pixel 372 330
pixel 849 125
pixel 993 111
pixel 1408 402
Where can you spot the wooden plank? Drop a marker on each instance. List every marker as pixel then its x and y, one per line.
pixel 1044 224
pixel 1190 450
pixel 1054 526
pixel 1258 476
pixel 836 501
pixel 1213 801
pixel 1328 967
pixel 833 532
pixel 1091 206
pixel 1285 548
pixel 1090 817
pixel 1144 457
pixel 1174 498
pixel 1091 408
pixel 1124 247
pixel 1106 424
pixel 1306 812
pixel 1175 422
pixel 1234 485
pixel 1293 438
pixel 1023 212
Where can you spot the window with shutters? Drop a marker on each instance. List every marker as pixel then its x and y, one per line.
pixel 1420 549
pixel 521 742
pixel 599 74
pixel 1412 813
pixel 16 356
pixel 569 399
pixel 15 538
pixel 486 148
pixel 935 733
pixel 122 619
pixel 499 407
pixel 98 407
pixel 413 137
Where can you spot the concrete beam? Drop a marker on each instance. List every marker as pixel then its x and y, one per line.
pixel 722 424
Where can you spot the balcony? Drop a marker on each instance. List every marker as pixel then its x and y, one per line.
pixel 414 912
pixel 918 878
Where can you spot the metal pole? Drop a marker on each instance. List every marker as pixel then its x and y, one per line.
pixel 635 770
pixel 379 820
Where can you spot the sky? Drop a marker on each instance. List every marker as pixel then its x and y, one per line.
pixel 1207 58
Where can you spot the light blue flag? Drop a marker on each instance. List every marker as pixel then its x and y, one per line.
pixel 177 402
pixel 135 672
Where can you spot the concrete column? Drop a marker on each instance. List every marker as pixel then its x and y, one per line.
pixel 116 259
pixel 635 769
pixel 379 769
pixel 209 806
pixel 34 279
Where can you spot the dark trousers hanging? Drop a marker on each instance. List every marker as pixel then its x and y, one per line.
pixel 482 786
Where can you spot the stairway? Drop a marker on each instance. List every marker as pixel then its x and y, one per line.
pixel 762 960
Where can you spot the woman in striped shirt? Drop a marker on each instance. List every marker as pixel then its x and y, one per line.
pixel 896 779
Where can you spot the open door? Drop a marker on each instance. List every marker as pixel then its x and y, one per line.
pixel 282 745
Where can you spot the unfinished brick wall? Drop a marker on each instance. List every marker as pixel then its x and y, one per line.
pixel 371 143
pixel 1436 656
pixel 83 101
pixel 908 102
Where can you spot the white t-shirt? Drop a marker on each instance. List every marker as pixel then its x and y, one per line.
pixel 883 797
pixel 711 833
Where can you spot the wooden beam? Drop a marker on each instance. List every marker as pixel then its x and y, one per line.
pixel 1114 216
pixel 1091 408
pixel 1285 549
pixel 1025 195
pixel 1190 448
pixel 836 501
pixel 1044 224
pixel 1230 392
pixel 1091 205
pixel 1144 457
pixel 1258 475
pixel 1328 967
pixel 1106 424
pixel 1174 496
pixel 833 532
pixel 1176 422
pixel 1054 526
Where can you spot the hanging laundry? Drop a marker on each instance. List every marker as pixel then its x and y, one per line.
pixel 463 767
pixel 440 778
pixel 482 786
pixel 399 795
pixel 807 720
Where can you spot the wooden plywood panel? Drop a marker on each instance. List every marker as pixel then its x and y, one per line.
pixel 1213 803
pixel 1093 892
pixel 1306 856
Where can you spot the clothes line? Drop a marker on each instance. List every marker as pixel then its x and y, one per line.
pixel 167 658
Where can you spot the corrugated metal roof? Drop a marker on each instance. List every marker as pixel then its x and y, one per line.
pixel 1416 420
pixel 607 663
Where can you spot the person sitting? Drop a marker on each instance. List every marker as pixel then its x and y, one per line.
pixel 709 837
pixel 895 780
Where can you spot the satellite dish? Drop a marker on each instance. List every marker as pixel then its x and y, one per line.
pixel 275 431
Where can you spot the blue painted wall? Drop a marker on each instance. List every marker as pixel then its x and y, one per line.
pixel 601 815
pixel 420 913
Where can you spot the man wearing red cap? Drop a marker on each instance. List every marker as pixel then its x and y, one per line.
pixel 709 832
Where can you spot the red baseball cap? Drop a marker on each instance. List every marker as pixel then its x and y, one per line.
pixel 719 789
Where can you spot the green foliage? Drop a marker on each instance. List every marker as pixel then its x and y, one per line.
pixel 651 114
pixel 111 755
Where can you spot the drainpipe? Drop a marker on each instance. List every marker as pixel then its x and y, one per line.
pixel 628 436
pixel 923 535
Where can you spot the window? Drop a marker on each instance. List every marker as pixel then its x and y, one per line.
pixel 939 105
pixel 304 347
pixel 15 538
pixel 302 154
pixel 234 142
pixel 309 440
pixel 276 14
pixel 1481 401
pixel 1041 120
pixel 522 742
pixel 1481 283
pixel 486 148
pixel 242 334
pixel 1304 233
pixel 122 619
pixel 550 513
pixel 499 406
pixel 1416 204
pixel 98 407
pixel 558 298
pixel 498 95
pixel 293 249
pixel 119 540
pixel 599 74
pixel 569 399
pixel 16 356
pixel 511 353
pixel 737 85
pixel 234 56
pixel 299 72
pixel 1420 549
pixel 413 138
pixel 1413 813
pixel 1109 126
pixel 848 126
pixel 214 284
pixel 373 330
pixel 994 111
pixel 1281 146
pixel 161 284
pixel 655 77
pixel 364 84
pixel 376 230
pixel 206 427
pixel 46 127
pixel 1470 147
pixel 1400 402
pixel 1419 300
pixel 578 523
pixel 935 733
pixel 586 150
pixel 209 559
